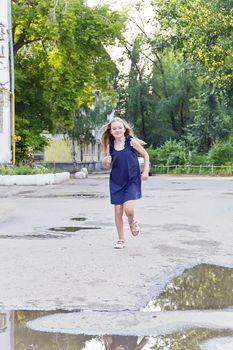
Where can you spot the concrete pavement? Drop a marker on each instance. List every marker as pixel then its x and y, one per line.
pixel 185 221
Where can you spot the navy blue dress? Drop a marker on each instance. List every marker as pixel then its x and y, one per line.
pixel 125 176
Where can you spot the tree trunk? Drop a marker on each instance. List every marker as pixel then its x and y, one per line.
pixel 212 105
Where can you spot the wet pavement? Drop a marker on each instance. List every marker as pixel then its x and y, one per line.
pixel 173 284
pixel 21 337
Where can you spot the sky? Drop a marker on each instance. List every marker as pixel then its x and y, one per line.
pixel 140 18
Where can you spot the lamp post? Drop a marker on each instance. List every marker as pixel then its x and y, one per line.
pixel 14 138
pixel 5 133
pixel 7 94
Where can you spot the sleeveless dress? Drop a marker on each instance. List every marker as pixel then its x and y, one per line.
pixel 125 176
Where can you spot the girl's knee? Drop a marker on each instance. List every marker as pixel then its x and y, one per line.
pixel 129 208
pixel 129 212
pixel 119 210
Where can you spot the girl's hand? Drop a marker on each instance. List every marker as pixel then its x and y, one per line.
pixel 106 161
pixel 145 175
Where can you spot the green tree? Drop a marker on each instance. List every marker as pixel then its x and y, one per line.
pixel 172 87
pixel 200 31
pixel 87 121
pixel 207 125
pixel 60 57
pixel 133 91
pixel 156 100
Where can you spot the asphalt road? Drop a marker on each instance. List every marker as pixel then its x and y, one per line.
pixel 185 221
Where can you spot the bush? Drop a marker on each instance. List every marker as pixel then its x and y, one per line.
pixel 199 159
pixel 172 152
pixel 221 153
pixel 27 170
pixel 153 155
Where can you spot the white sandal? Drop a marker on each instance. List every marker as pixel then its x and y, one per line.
pixel 120 244
pixel 134 228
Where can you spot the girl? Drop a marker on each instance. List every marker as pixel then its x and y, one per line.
pixel 119 149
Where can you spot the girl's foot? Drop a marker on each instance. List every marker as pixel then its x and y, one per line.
pixel 120 244
pixel 134 228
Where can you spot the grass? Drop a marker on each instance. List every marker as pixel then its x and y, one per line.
pixel 28 170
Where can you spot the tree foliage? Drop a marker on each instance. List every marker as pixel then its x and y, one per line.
pixel 179 86
pixel 185 92
pixel 60 58
pixel 202 29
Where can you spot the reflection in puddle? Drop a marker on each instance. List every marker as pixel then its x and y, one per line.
pixel 115 342
pixel 201 287
pixel 73 228
pixel 187 340
pixel 24 338
pixel 14 335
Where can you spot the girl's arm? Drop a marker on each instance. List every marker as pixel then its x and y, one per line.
pixel 141 150
pixel 107 160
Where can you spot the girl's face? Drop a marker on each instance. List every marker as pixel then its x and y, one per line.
pixel 117 129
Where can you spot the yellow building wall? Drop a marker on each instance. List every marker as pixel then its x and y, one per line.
pixel 58 150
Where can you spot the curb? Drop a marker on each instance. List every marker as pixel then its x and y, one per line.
pixel 33 180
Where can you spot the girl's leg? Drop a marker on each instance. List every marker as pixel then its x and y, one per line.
pixel 129 210
pixel 119 221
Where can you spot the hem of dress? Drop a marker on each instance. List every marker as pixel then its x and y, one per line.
pixel 130 199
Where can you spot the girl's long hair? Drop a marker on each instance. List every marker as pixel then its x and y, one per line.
pixel 106 136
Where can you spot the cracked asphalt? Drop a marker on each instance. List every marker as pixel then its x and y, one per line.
pixel 185 221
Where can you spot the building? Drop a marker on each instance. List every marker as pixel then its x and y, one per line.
pixel 63 152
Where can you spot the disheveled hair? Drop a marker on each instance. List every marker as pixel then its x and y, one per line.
pixel 106 136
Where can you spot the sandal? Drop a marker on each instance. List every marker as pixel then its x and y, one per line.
pixel 134 228
pixel 120 244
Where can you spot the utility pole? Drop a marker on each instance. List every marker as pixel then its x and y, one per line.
pixel 5 85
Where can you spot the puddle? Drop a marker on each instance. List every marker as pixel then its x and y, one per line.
pixel 59 232
pixel 185 189
pixel 20 193
pixel 36 236
pixel 79 219
pixel 66 195
pixel 14 335
pixel 73 228
pixel 202 287
pixel 188 340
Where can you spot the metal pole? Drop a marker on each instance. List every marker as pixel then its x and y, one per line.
pixel 12 79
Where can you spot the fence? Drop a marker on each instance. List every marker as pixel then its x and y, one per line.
pixel 193 169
